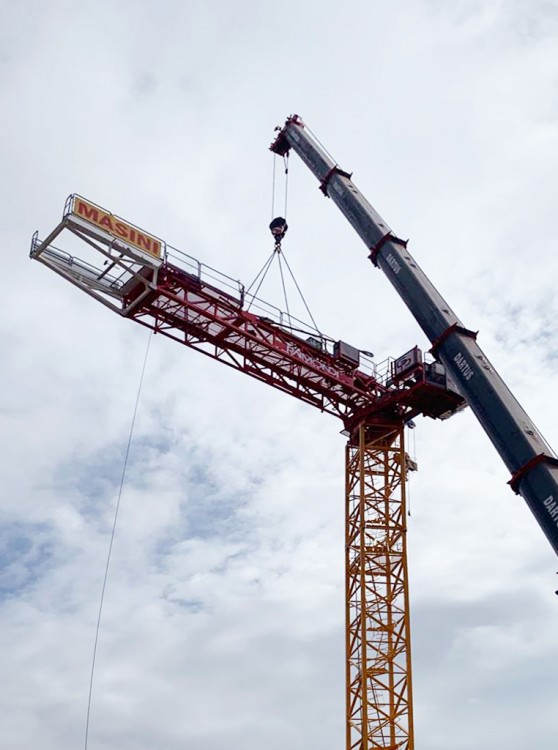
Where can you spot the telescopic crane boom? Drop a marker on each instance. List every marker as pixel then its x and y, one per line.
pixel 527 455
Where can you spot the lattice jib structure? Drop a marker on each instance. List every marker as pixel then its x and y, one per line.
pixel 141 278
pixel 378 680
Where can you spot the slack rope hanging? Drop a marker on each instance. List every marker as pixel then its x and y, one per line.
pixel 107 566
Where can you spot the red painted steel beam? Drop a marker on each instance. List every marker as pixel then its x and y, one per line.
pixel 215 323
pixel 183 306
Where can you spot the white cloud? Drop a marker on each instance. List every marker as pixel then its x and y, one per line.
pixel 223 621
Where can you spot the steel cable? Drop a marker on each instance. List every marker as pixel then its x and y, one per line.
pixel 107 566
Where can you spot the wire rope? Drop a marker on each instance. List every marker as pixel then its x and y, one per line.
pixel 265 268
pixel 109 554
pixel 301 295
pixel 286 165
pixel 273 188
pixel 277 251
pixel 283 285
pixel 320 144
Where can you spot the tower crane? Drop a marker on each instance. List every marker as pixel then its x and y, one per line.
pixel 140 277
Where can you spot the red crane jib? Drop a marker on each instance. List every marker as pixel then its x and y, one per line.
pixel 203 317
pixel 188 307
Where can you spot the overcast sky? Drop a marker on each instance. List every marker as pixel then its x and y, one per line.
pixel 223 620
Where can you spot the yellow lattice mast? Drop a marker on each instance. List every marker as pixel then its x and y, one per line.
pixel 379 690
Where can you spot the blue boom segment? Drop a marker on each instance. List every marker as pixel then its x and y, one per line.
pixel 527 455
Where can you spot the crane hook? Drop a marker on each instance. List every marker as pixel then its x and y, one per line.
pixel 278 229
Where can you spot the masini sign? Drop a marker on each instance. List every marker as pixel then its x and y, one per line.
pixel 116 227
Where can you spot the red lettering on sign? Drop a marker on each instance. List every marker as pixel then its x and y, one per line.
pixel 82 209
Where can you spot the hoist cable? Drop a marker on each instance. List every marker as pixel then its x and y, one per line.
pixel 107 566
pixel 273 189
pixel 286 165
pixel 277 250
pixel 301 295
pixel 274 182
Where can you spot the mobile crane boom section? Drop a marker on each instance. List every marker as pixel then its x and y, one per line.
pixel 529 458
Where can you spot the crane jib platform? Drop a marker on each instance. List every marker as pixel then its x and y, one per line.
pixel 521 446
pixel 142 278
